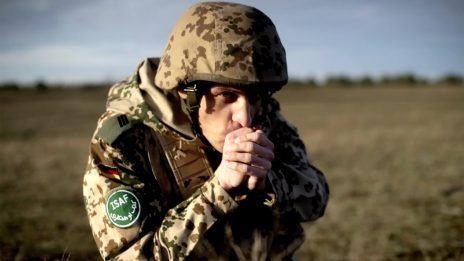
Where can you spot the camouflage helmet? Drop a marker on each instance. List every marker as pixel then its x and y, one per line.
pixel 226 43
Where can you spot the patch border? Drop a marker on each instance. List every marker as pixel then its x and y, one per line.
pixel 108 213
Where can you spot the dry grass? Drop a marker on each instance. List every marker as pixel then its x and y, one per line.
pixel 393 157
pixel 44 140
pixel 394 160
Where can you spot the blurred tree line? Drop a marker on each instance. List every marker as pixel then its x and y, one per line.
pixel 385 81
pixel 331 81
pixel 42 86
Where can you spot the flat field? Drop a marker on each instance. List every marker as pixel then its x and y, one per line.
pixel 394 159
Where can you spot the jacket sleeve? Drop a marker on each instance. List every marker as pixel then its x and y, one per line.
pixel 300 188
pixel 161 231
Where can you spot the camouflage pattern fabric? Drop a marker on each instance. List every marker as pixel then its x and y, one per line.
pixel 226 43
pixel 210 223
pixel 134 215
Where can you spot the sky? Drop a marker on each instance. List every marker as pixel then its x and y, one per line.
pixel 104 40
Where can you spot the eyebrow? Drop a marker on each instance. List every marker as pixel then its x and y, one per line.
pixel 231 89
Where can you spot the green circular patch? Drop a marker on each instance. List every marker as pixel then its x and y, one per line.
pixel 123 208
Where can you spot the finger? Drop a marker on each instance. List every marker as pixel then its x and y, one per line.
pixel 229 178
pixel 248 158
pixel 231 138
pixel 253 182
pixel 258 137
pixel 246 169
pixel 252 148
pixel 233 135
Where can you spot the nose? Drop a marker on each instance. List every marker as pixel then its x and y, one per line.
pixel 242 112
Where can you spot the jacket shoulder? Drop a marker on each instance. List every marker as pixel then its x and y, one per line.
pixel 112 126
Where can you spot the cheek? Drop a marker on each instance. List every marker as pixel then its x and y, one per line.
pixel 213 129
pixel 212 117
pixel 213 122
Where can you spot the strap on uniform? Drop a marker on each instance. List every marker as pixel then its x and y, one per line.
pixel 193 105
pixel 188 163
pixel 193 102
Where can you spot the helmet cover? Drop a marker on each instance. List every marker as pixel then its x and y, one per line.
pixel 226 43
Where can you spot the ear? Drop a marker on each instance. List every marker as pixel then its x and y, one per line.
pixel 182 94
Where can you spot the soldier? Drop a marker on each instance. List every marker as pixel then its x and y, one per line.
pixel 192 158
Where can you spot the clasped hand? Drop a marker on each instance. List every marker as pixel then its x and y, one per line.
pixel 246 159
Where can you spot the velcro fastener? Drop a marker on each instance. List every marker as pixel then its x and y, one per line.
pixel 113 127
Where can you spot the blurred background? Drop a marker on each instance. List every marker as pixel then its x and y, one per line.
pixel 86 41
pixel 380 85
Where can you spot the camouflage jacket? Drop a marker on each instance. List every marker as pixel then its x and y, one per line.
pixel 132 217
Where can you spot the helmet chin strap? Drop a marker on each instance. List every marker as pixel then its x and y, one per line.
pixel 193 105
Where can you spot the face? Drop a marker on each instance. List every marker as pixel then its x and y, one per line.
pixel 224 109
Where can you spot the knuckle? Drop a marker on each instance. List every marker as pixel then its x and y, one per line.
pixel 232 165
pixel 265 164
pixel 255 136
pixel 245 168
pixel 271 145
pixel 249 146
pixel 272 155
pixel 247 158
